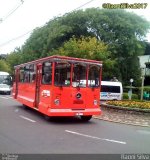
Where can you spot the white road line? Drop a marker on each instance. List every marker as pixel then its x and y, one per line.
pixel 103 139
pixel 5 97
pixel 27 118
pixel 11 97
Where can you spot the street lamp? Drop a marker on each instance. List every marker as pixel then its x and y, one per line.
pixel 130 91
pixel 131 81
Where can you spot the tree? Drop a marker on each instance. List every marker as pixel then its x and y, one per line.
pixel 88 48
pixel 14 59
pixel 4 66
pixel 122 31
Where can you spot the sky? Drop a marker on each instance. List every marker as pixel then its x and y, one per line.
pixel 20 17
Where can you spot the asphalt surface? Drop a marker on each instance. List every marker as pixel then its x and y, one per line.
pixel 26 131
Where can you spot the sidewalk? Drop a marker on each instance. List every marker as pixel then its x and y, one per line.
pixel 124 116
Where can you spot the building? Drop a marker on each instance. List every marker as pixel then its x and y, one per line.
pixel 145 69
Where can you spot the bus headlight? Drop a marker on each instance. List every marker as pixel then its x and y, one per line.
pixel 57 102
pixel 95 102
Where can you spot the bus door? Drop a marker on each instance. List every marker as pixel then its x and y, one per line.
pixel 38 84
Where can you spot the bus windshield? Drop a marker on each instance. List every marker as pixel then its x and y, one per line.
pixel 5 79
pixel 62 74
pixel 79 75
pixel 94 75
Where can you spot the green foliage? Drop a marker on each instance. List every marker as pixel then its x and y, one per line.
pixel 14 59
pixel 122 31
pixel 134 96
pixel 125 96
pixel 4 66
pixel 147 89
pixel 88 48
pixel 85 47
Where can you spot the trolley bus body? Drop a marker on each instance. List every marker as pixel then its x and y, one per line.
pixel 54 86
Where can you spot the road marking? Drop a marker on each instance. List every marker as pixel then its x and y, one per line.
pixel 27 118
pixel 103 139
pixel 5 97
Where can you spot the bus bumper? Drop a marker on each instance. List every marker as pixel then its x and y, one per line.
pixel 74 112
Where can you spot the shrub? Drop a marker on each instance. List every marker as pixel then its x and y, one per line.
pixel 134 96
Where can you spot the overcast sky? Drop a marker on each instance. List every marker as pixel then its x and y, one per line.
pixel 35 13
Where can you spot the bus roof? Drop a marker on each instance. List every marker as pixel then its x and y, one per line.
pixel 4 73
pixel 111 83
pixel 63 58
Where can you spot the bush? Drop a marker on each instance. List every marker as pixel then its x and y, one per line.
pixel 134 96
pixel 147 89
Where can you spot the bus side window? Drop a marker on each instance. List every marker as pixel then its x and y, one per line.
pixel 27 74
pixel 32 73
pixel 21 74
pixel 47 73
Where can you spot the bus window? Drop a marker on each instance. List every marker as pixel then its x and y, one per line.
pixel 21 74
pixel 94 75
pixel 27 74
pixel 62 74
pixel 79 75
pixel 112 89
pixel 32 73
pixel 47 73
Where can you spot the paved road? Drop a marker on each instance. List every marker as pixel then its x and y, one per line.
pixel 26 131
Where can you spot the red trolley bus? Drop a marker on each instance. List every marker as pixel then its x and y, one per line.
pixel 59 86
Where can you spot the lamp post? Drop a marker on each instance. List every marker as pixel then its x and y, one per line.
pixel 142 85
pixel 130 91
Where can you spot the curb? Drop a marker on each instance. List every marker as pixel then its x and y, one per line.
pixel 120 122
pixel 125 109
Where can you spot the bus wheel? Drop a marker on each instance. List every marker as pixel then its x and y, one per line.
pixel 86 118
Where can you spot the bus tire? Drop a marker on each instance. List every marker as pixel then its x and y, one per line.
pixel 86 118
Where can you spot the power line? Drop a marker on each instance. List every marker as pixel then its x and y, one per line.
pixel 16 38
pixel 11 12
pixel 83 5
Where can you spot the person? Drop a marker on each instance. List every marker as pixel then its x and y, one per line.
pixel 144 95
pixel 147 96
pixel 114 79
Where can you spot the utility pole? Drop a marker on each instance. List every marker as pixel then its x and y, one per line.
pixel 142 85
